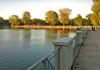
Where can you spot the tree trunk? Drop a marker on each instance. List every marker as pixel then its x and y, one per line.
pixel 63 24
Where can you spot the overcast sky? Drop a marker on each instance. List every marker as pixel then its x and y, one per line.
pixel 37 8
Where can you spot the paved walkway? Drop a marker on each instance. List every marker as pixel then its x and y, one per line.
pixel 89 56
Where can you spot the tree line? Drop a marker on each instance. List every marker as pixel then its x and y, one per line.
pixel 53 18
pixel 4 22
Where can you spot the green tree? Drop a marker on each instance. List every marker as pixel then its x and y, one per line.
pixel 71 22
pixel 37 21
pixel 14 20
pixel 26 18
pixel 85 22
pixel 78 20
pixel 88 16
pixel 89 19
pixel 7 22
pixel 51 17
pixel 64 15
pixel 1 21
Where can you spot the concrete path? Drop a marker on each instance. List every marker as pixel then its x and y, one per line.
pixel 89 56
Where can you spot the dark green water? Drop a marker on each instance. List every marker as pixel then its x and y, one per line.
pixel 21 48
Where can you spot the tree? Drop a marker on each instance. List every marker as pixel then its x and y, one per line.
pixel 7 22
pixel 96 2
pixel 92 19
pixel 64 15
pixel 26 18
pixel 96 9
pixel 71 22
pixel 51 17
pixel 37 21
pixel 14 20
pixel 78 20
pixel 95 17
pixel 96 12
pixel 1 21
pixel 88 16
pixel 85 22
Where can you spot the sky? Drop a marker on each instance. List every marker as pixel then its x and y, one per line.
pixel 38 8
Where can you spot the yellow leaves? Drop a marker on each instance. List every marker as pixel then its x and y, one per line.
pixel 64 15
pixel 78 20
pixel 14 20
pixel 96 2
pixel 51 17
pixel 93 19
pixel 96 9
pixel 26 17
pixel 96 12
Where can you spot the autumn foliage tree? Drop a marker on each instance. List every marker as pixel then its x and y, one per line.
pixel 26 18
pixel 14 20
pixel 51 17
pixel 64 15
pixel 95 2
pixel 95 17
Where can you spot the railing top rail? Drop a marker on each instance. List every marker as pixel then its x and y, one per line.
pixel 31 67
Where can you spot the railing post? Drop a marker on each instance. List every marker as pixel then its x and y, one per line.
pixel 44 65
pixel 57 59
pixel 66 53
pixel 79 37
pixel 84 32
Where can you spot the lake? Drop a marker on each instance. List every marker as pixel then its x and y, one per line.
pixel 20 48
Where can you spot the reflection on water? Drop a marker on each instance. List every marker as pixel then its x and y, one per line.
pixel 7 34
pixel 62 33
pixel 21 48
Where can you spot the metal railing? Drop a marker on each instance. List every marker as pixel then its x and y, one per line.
pixel 55 60
pixel 47 63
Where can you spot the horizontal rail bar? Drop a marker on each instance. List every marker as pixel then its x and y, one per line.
pixel 34 65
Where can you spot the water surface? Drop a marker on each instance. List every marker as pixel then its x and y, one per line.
pixel 21 48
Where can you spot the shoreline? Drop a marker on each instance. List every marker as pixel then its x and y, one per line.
pixel 50 27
